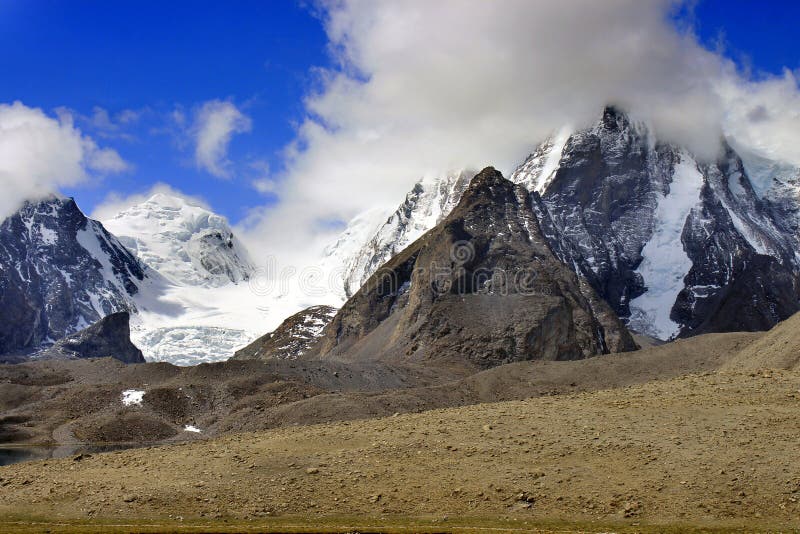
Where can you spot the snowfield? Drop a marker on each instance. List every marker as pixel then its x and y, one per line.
pixel 131 397
pixel 203 297
pixel 665 262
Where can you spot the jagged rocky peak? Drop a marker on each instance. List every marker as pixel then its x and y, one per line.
pixel 184 242
pixel 428 202
pixel 669 241
pixel 61 273
pixel 482 288
pixel 292 338
pixel 110 337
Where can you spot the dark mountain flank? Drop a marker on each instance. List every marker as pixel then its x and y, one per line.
pixel 483 288
pixel 676 246
pixel 59 272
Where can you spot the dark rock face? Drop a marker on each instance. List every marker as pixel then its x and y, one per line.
pixel 482 288
pixel 633 215
pixel 60 273
pixel 292 338
pixel 108 337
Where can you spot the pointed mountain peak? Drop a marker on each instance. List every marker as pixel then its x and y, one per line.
pixel 614 118
pixel 488 175
pixel 487 187
pixel 185 242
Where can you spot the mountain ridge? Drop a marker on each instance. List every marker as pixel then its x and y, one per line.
pixel 501 297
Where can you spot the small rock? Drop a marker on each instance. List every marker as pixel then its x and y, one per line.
pixel 312 471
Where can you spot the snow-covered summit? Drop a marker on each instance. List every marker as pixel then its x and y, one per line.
pixel 185 243
pixel 364 246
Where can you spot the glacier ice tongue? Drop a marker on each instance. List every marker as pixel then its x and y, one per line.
pixel 665 262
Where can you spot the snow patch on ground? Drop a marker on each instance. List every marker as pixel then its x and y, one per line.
pixel 131 397
pixel 192 428
pixel 665 262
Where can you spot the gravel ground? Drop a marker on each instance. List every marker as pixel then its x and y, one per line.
pixel 705 450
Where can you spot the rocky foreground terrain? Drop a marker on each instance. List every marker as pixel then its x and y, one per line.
pixel 711 450
pixel 692 435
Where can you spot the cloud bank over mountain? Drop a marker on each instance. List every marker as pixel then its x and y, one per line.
pixel 421 88
pixel 40 153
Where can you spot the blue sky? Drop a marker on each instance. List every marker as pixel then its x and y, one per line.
pixel 141 62
pixel 155 57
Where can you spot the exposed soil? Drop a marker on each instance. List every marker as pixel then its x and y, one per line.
pixel 80 401
pixel 69 402
pixel 73 402
pixel 717 449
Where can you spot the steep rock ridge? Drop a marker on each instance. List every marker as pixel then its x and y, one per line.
pixel 108 337
pixel 188 245
pixel 673 245
pixel 778 184
pixel 292 338
pixel 428 203
pixel 61 272
pixel 482 288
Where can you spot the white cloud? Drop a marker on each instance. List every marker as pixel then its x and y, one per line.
pixel 39 154
pixel 215 123
pixel 261 180
pixel 764 116
pixel 116 202
pixel 424 87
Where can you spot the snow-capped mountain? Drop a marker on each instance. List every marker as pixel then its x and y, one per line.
pixel 476 312
pixel 778 184
pixel 373 238
pixel 61 273
pixel 198 306
pixel 187 244
pixel 676 246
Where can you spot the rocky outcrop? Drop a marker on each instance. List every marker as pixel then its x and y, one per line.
pixel 61 272
pixel 482 288
pixel 292 338
pixel 110 337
